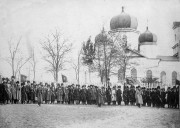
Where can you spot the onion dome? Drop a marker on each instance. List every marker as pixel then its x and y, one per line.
pixel 123 20
pixel 147 38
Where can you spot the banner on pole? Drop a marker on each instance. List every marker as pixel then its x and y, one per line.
pixel 64 78
pixel 23 78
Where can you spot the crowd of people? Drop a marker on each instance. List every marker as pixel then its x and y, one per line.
pixel 14 92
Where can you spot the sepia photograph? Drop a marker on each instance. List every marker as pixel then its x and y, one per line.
pixel 89 63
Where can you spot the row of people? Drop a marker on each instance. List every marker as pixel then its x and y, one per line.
pixel 13 92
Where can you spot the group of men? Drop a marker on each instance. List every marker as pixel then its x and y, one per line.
pixel 153 97
pixel 12 92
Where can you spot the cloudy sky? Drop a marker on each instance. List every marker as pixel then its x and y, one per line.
pixel 32 20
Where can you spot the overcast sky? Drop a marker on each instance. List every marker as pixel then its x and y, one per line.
pixel 78 19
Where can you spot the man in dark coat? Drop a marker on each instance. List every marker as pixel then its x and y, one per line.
pixel 169 97
pixel 119 95
pixel 28 92
pixel 172 98
pixel 163 97
pixel 125 95
pixel 99 97
pixel 88 95
pixel 23 94
pixel 144 96
pixel 148 94
pixel 108 95
pixel 83 94
pixel 70 95
pixel 177 97
pixel 158 97
pixel 77 94
pixel 3 93
pixel 153 96
pixel 132 92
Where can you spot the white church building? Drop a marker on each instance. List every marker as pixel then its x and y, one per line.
pixel 152 69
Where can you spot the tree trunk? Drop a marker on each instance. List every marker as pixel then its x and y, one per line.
pixel 34 73
pixel 78 70
pixel 13 72
pixel 56 77
pixel 89 75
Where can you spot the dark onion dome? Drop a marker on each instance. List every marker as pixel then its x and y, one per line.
pixel 101 37
pixel 123 20
pixel 147 38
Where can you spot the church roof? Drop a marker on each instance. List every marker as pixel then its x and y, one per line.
pixel 134 53
pixel 167 58
pixel 176 24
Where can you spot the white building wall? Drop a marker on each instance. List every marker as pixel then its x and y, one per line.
pixel 149 64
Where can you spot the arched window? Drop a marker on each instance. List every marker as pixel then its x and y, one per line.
pixel 134 73
pixel 149 74
pixel 163 77
pixel 174 77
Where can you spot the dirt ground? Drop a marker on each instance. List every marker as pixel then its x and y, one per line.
pixel 86 116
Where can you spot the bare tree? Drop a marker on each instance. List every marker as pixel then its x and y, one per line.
pixel 56 49
pixel 77 66
pixel 16 59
